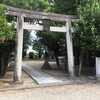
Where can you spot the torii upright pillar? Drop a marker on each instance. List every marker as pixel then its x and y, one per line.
pixel 69 48
pixel 19 47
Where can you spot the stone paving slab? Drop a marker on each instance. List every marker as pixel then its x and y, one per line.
pixel 43 78
pixel 40 77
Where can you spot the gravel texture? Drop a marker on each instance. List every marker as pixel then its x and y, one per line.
pixel 67 92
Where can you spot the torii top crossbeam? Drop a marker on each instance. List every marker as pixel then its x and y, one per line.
pixel 40 15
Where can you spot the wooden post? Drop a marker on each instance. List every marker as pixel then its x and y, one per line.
pixel 19 46
pixel 69 44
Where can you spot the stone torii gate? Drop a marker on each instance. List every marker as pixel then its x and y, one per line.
pixel 21 25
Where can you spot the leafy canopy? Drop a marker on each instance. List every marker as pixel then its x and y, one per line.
pixel 38 5
pixel 59 6
pixel 89 25
pixel 6 31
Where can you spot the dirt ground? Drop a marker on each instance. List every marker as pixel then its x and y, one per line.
pixel 29 91
pixel 66 92
pixel 6 83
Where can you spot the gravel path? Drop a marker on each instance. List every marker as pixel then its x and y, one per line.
pixel 67 92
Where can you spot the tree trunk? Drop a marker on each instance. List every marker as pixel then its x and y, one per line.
pixel 66 58
pixel 4 55
pixel 77 61
pixel 57 61
pixel 4 64
pixel 88 63
pixel 46 65
pixel 84 57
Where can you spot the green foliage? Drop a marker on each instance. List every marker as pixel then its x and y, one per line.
pixel 66 6
pixel 6 31
pixel 59 6
pixel 89 25
pixel 39 47
pixel 38 5
pixel 51 40
pixel 26 40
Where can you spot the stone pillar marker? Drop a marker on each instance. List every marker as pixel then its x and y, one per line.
pixel 19 47
pixel 69 48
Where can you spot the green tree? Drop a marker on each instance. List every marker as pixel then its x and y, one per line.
pixel 52 42
pixel 61 6
pixel 87 31
pixel 6 36
pixel 38 5
pixel 6 31
pixel 26 41
pixel 68 7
